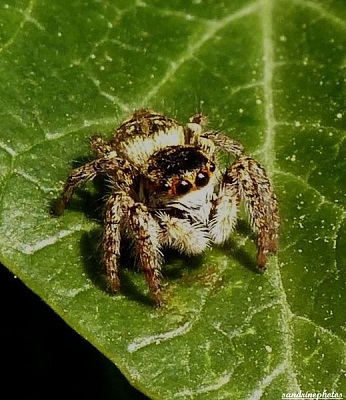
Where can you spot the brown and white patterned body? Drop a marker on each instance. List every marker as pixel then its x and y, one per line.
pixel 167 190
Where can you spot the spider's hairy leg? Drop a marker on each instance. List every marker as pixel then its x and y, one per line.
pixel 182 235
pixel 224 142
pixel 223 216
pixel 261 203
pixel 111 239
pixel 145 231
pixel 121 210
pixel 87 172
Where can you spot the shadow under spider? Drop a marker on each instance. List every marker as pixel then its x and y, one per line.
pixel 91 254
pixel 243 256
pixel 173 267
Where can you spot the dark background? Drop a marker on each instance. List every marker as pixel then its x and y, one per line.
pixel 42 357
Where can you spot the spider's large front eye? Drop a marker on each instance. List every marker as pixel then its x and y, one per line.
pixel 202 179
pixel 183 187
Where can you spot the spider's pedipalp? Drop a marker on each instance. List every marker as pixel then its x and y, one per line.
pixel 182 235
pixel 261 203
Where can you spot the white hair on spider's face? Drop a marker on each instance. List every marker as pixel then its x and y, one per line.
pixel 197 204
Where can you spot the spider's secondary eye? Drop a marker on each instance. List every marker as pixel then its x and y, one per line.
pixel 212 167
pixel 183 187
pixel 165 186
pixel 202 178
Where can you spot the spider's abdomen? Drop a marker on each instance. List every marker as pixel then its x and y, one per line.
pixel 144 134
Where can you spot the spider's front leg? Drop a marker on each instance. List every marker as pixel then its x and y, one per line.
pixel 113 215
pixel 146 231
pixel 249 179
pixel 87 172
pixel 122 210
pixel 244 180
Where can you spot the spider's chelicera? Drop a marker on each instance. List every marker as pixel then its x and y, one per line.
pixel 167 191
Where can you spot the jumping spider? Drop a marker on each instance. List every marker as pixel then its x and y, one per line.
pixel 167 191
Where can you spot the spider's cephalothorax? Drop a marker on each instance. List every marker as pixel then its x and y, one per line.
pixel 167 191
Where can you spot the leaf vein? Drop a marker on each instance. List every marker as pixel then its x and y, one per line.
pixel 326 14
pixel 34 180
pixel 193 47
pixel 286 328
pixel 27 17
pixel 239 329
pixel 267 380
pixel 141 342
pixel 8 149
pixel 217 384
pixel 322 329
pixel 323 200
pixel 32 248
pixel 268 69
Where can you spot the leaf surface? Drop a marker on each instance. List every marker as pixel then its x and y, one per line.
pixel 269 73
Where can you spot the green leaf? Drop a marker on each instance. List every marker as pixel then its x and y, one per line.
pixel 269 73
